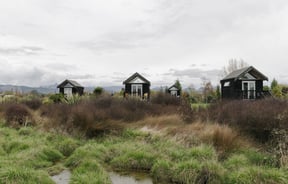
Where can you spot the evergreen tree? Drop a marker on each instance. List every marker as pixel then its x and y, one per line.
pixel 178 84
pixel 274 84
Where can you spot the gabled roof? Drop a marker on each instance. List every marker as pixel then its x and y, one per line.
pixel 240 74
pixel 71 82
pixel 173 86
pixel 134 76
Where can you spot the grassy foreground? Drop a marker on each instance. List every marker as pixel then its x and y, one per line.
pixel 30 156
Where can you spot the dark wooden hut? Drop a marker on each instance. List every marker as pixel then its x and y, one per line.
pixel 245 83
pixel 174 91
pixel 137 86
pixel 70 88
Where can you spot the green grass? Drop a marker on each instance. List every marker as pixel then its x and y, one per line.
pixel 30 156
pixel 15 174
pixel 199 105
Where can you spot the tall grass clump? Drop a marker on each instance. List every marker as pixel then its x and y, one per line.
pixel 161 169
pixel 66 145
pixel 14 174
pixel 89 171
pixel 254 175
pixel 186 171
pixel 139 160
pixel 14 146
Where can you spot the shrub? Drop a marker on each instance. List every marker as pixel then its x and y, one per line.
pixel 57 98
pixel 165 99
pixel 186 112
pixel 98 91
pixel 17 113
pixel 33 103
pixel 258 118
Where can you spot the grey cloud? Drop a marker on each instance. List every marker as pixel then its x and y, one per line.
pixel 118 40
pixel 37 76
pixel 195 73
pixel 61 67
pixel 82 76
pixel 24 50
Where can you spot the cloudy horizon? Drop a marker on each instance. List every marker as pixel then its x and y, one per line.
pixel 101 43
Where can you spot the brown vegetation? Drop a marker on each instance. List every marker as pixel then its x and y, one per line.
pixel 257 118
pixel 17 115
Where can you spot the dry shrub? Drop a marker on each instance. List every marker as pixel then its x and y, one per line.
pixel 165 99
pixel 258 118
pixel 34 103
pixel 96 114
pixel 17 114
pixel 186 112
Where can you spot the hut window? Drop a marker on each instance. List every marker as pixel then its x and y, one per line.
pixel 227 84
pixel 136 90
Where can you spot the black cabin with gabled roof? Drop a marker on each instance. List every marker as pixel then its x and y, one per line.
pixel 245 83
pixel 137 86
pixel 70 88
pixel 174 91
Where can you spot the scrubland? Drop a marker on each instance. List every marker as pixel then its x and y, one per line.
pixel 225 142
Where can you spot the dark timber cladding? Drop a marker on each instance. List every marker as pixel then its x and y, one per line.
pixel 70 87
pixel 245 83
pixel 137 86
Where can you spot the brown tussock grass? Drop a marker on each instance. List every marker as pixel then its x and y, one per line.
pixel 224 138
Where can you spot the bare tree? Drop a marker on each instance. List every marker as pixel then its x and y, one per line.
pixel 234 64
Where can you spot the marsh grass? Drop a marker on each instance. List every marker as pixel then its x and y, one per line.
pixel 90 171
pixel 29 156
pixel 254 175
pixel 16 174
pixel 134 160
pixel 166 153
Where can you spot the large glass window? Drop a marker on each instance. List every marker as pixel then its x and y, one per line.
pixel 249 89
pixel 137 90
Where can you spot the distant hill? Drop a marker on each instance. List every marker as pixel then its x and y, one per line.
pixel 51 89
pixel 27 89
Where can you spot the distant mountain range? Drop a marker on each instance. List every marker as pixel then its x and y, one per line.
pixel 49 89
pixel 52 89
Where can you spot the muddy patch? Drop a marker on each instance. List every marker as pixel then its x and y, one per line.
pixel 62 178
pixel 131 178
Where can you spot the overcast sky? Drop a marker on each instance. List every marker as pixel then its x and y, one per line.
pixel 103 42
